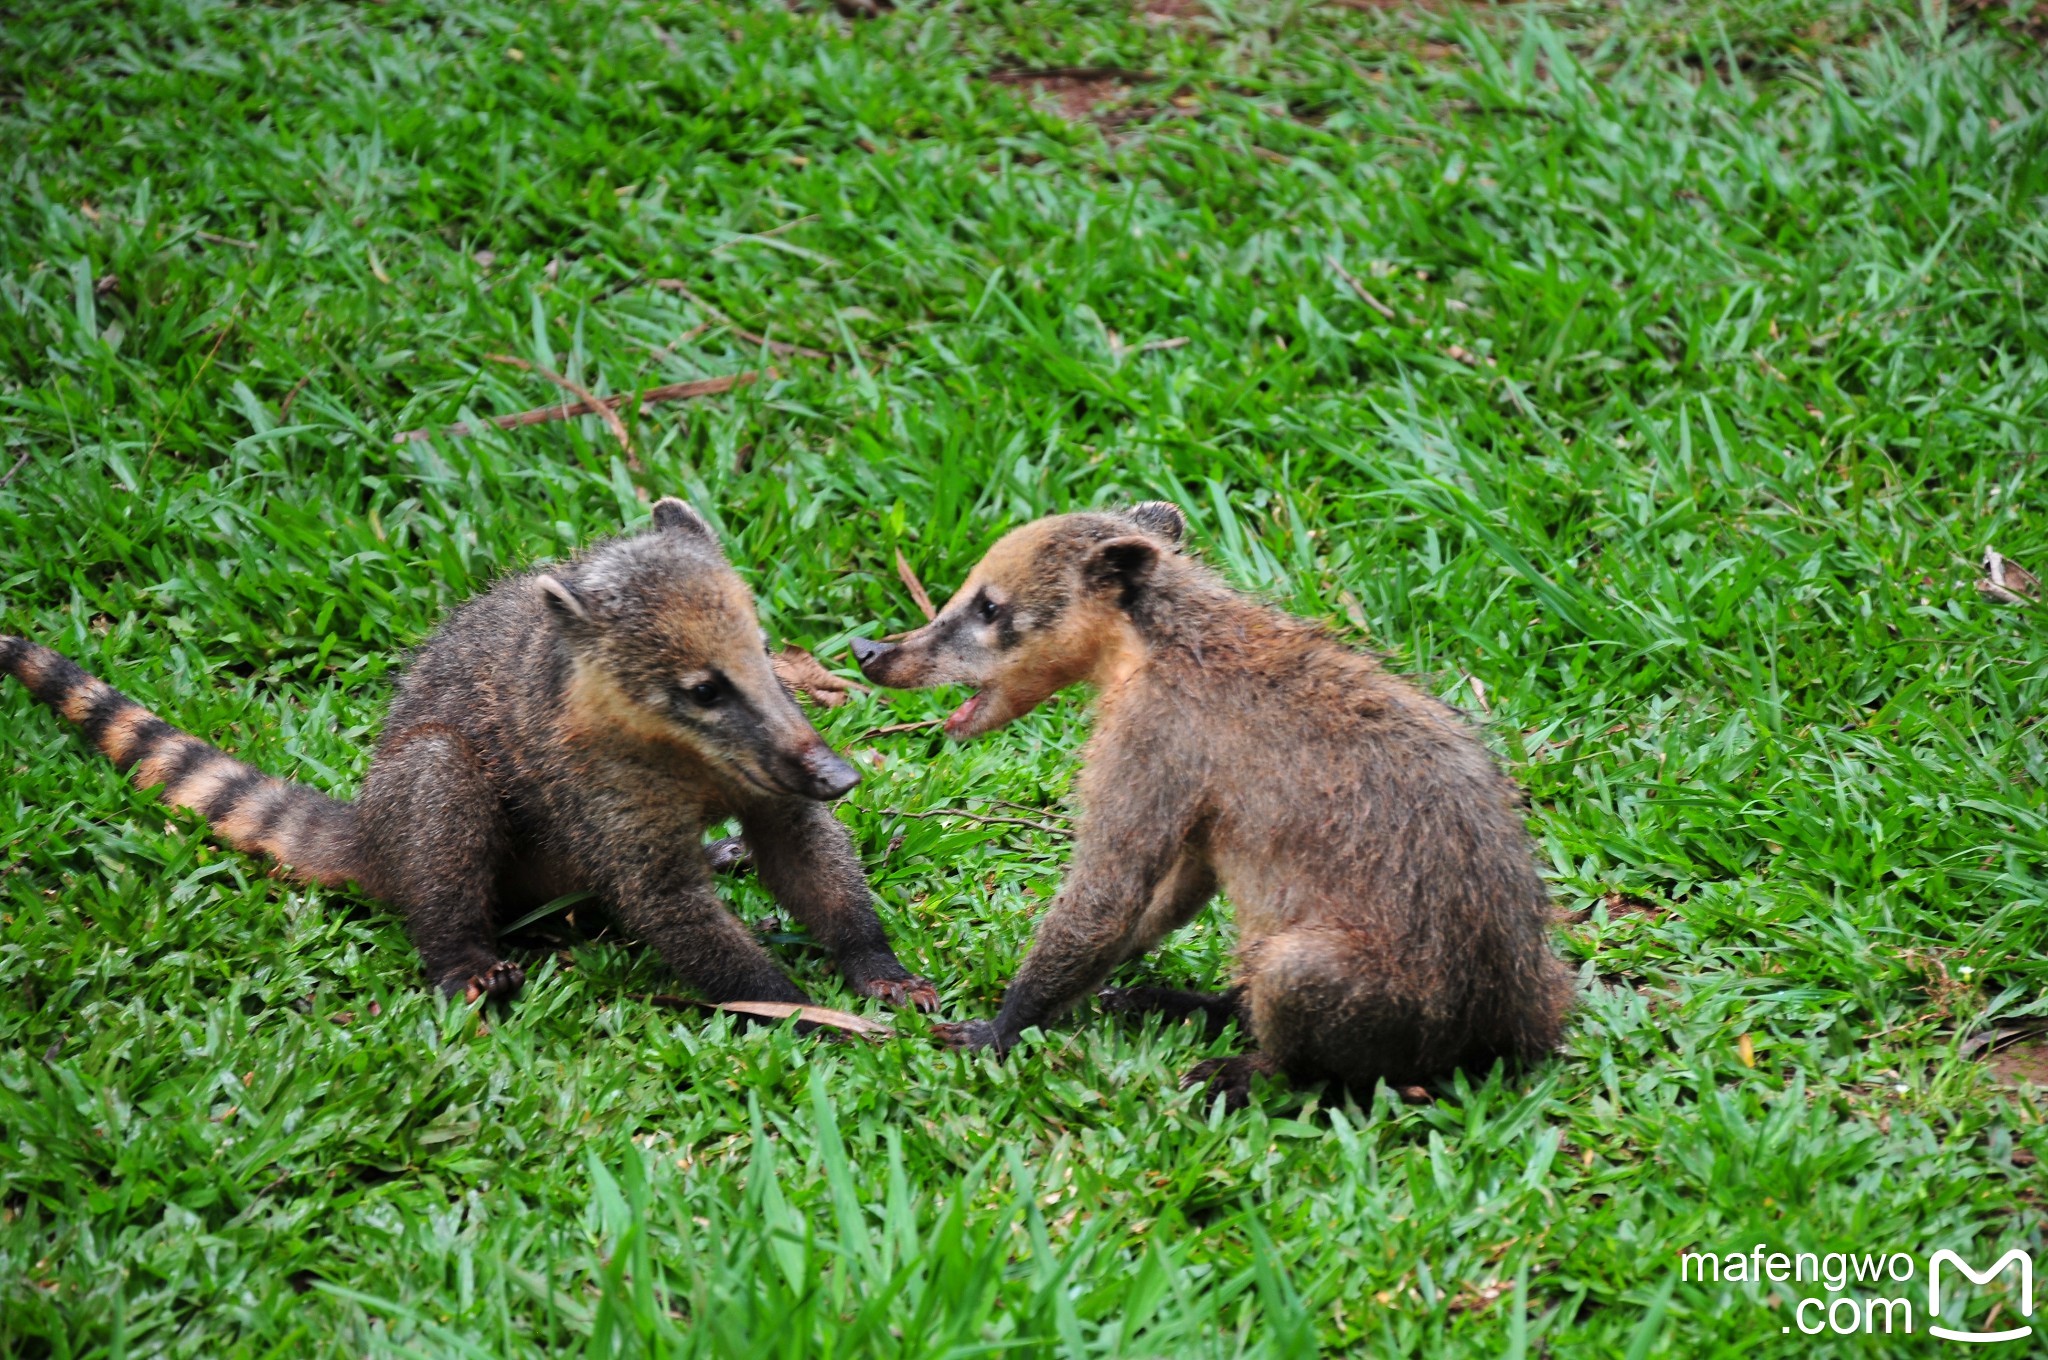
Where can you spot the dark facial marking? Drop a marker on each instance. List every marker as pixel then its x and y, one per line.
pixel 707 693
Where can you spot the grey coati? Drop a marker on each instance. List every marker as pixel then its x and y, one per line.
pixel 573 730
pixel 1392 922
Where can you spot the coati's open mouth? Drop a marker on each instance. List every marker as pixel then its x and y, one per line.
pixel 961 720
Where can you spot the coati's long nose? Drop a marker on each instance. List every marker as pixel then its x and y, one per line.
pixel 826 776
pixel 866 652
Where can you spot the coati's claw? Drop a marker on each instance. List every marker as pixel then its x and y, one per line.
pixel 1230 1078
pixel 500 981
pixel 909 991
pixel 968 1034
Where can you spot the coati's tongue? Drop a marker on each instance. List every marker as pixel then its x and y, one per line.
pixel 964 714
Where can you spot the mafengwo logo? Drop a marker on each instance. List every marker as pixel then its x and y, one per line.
pixel 2015 1257
pixel 1868 1294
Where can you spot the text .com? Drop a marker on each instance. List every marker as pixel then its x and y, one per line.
pixel 1883 1292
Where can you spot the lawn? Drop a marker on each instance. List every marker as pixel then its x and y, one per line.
pixel 1646 379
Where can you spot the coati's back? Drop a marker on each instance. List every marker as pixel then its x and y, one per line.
pixel 484 665
pixel 1354 800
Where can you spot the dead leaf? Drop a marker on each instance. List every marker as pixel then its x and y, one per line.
pixel 802 673
pixel 1745 1051
pixel 1477 1298
pixel 924 601
pixel 842 1022
pixel 1354 612
pixel 2006 581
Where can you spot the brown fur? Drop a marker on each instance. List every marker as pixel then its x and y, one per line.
pixel 561 733
pixel 1391 918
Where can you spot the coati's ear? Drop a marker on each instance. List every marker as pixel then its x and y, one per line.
pixel 1121 565
pixel 564 603
pixel 674 517
pixel 1159 517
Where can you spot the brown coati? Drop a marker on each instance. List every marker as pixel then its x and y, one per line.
pixel 1391 918
pixel 567 731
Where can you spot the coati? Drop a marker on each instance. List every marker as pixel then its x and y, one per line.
pixel 566 731
pixel 1391 918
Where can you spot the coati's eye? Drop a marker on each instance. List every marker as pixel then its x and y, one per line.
pixel 707 693
pixel 988 608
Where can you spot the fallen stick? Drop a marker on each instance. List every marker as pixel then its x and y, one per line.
pixel 610 414
pixel 19 464
pixel 842 1022
pixel 917 591
pixel 1382 308
pixel 702 387
pixel 893 728
pixel 284 412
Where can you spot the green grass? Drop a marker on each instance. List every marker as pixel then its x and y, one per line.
pixel 1717 359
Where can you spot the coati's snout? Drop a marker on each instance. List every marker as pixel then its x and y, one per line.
pixel 668 649
pixel 819 773
pixel 1054 602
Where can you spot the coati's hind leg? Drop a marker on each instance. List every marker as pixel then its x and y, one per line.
pixel 805 858
pixel 1216 1009
pixel 1326 1006
pixel 435 843
pixel 1231 1078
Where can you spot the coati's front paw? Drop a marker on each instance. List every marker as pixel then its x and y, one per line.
pixel 967 1034
pixel 1230 1078
pixel 501 981
pixel 904 991
pixel 728 854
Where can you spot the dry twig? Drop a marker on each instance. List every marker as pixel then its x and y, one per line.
pixel 610 413
pixel 917 593
pixel 19 464
pixel 1382 308
pixel 892 728
pixel 284 410
pixel 701 387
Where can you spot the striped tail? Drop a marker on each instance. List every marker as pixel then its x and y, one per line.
pixel 299 827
